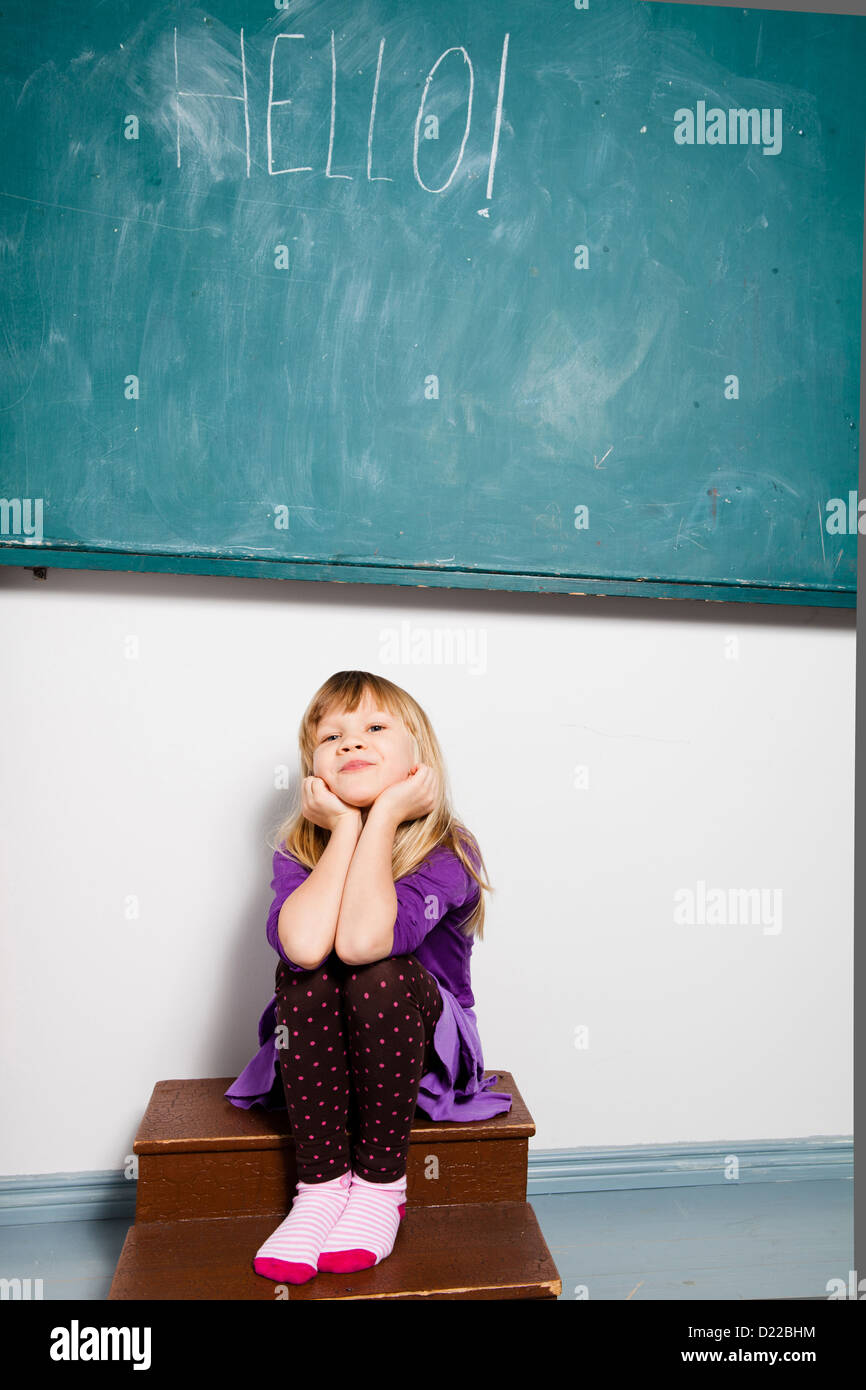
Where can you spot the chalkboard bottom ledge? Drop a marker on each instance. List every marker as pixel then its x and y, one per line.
pixel 43 557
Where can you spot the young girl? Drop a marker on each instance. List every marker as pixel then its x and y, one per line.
pixel 377 896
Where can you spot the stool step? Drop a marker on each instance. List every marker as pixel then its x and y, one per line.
pixel 201 1157
pixel 470 1251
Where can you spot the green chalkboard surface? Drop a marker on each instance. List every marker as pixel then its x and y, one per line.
pixel 544 296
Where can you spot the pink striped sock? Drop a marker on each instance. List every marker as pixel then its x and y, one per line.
pixel 290 1254
pixel 367 1229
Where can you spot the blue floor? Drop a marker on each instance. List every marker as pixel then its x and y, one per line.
pixel 748 1241
pixel 737 1241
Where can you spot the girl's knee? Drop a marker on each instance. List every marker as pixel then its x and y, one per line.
pixel 323 979
pixel 376 974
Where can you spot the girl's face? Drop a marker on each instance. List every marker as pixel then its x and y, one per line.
pixel 367 735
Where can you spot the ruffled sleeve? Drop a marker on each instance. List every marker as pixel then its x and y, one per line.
pixel 439 885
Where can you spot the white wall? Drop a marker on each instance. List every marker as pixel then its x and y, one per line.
pixel 154 777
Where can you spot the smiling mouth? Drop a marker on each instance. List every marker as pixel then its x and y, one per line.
pixel 357 767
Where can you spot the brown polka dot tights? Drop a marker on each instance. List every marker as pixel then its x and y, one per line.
pixel 357 1040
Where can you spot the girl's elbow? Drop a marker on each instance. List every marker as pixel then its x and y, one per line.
pixel 366 955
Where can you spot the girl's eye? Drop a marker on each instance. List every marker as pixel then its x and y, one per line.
pixel 328 737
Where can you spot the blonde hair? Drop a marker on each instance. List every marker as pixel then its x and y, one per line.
pixel 414 839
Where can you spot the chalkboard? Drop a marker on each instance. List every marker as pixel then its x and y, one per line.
pixel 550 296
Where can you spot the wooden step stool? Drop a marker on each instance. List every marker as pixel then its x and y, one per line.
pixel 215 1180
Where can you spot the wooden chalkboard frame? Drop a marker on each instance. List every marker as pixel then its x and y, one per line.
pixel 425 577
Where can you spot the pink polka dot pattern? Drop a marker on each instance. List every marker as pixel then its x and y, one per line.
pixel 360 1037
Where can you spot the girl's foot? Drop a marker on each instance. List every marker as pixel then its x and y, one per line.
pixel 290 1254
pixel 367 1228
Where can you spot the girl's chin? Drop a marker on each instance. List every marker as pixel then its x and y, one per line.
pixel 358 802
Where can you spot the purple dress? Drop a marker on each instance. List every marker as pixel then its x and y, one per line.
pixel 431 903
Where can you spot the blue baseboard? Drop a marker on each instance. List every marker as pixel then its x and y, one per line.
pixel 99 1196
pixel 690 1165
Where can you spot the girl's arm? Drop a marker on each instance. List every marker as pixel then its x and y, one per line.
pixel 368 909
pixel 307 923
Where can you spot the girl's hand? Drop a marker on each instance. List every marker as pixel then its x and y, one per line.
pixel 414 796
pixel 322 806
